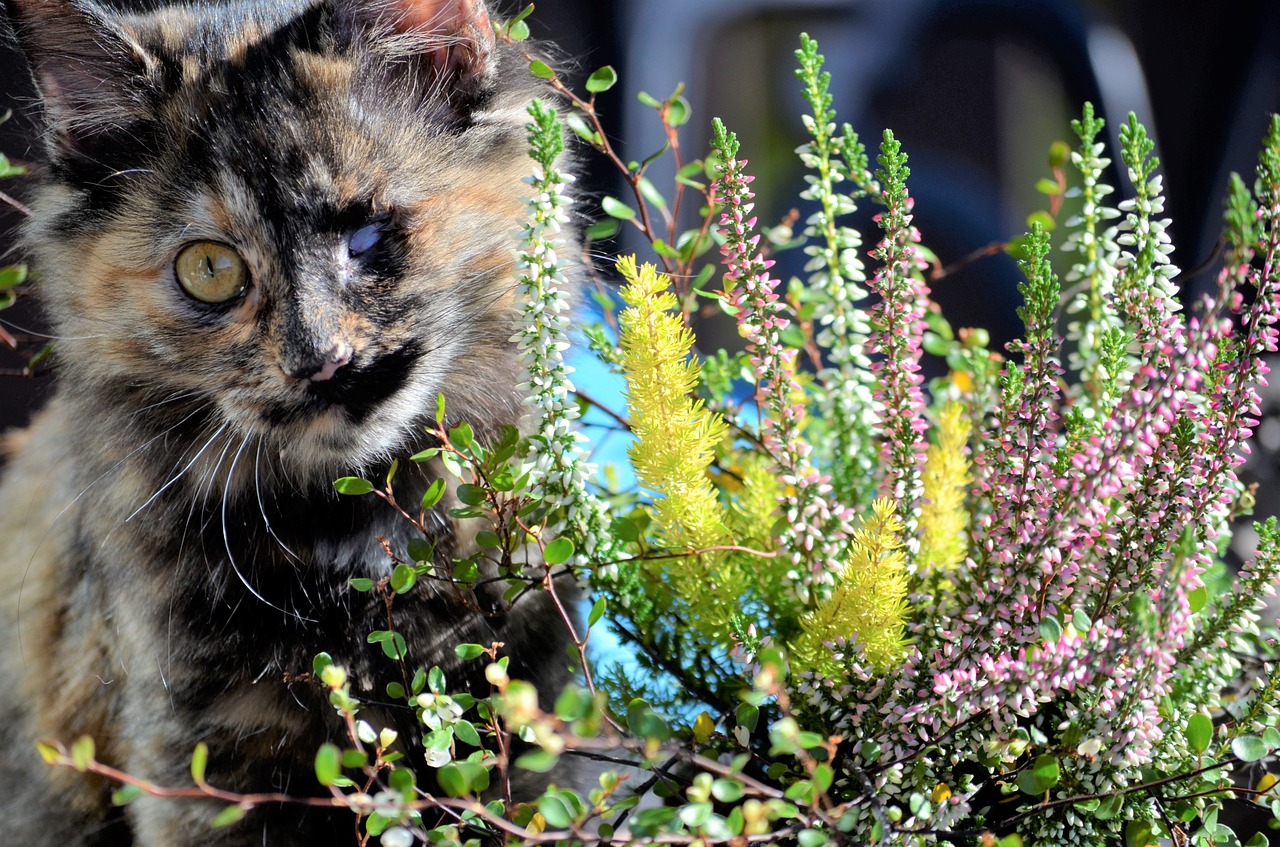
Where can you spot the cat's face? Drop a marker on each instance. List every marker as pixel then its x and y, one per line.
pixel 290 221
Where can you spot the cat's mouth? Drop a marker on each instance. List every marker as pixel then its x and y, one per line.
pixel 353 392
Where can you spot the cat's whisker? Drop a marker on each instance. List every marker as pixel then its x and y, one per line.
pixel 262 509
pixel 45 336
pixel 173 398
pixel 179 474
pixel 226 536
pixel 127 172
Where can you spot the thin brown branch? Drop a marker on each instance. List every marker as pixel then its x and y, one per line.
pixel 10 200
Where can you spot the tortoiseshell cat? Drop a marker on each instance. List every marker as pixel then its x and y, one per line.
pixel 270 232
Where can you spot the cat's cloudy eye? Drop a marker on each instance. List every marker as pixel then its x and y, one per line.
pixel 211 272
pixel 365 238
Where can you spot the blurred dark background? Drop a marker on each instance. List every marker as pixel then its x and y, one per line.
pixel 976 90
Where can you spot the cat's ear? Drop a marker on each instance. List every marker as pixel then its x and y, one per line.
pixel 449 41
pixel 89 71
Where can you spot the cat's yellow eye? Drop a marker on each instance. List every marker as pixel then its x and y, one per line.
pixel 211 272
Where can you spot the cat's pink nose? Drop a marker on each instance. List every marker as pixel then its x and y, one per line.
pixel 338 356
pixel 318 367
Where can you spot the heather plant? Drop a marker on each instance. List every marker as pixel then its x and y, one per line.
pixel 853 610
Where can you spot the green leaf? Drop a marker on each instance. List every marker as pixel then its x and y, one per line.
pixel 472 495
pixel 328 764
pixel 823 776
pixel 1137 833
pixel 1046 221
pixel 694 815
pixel 354 758
pixel 462 436
pixel 453 780
pixel 1199 733
pixel 649 100
pixel 12 276
pixel 421 550
pixel 625 530
pixel 1109 808
pixel 1059 154
pixel 597 611
pixel 466 732
pixel 662 248
pixel 555 811
pixel 467 652
pixel 125 794
pixel 615 208
pixel 812 838
pixel 1249 748
pixel 353 486
pixel 1050 629
pixel 537 761
pixel 1049 187
pixel 1042 776
pixel 49 752
pixel 82 752
pixel 1047 770
pixel 651 193
pixel 1028 784
pixel 362 584
pixel 602 79
pixel 601 230
pixel 558 551
pixel 228 816
pixel 518 31
pixel 643 721
pixel 199 761
pixel 403 578
pixel 727 790
pixel 678 112
pixel 433 494
pixel 541 70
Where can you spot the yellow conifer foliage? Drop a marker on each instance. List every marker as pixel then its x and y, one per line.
pixel 944 519
pixel 869 602
pixel 676 435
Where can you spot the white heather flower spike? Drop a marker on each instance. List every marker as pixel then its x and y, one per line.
pixel 557 461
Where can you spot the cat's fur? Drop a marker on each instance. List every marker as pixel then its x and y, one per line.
pixel 172 552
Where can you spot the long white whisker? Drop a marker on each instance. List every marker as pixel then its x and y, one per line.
pixel 257 490
pixel 180 473
pixel 226 538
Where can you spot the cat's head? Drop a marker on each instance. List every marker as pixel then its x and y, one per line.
pixel 292 220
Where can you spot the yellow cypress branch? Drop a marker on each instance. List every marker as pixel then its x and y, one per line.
pixel 676 436
pixel 869 603
pixel 754 508
pixel 944 520
pixel 676 441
